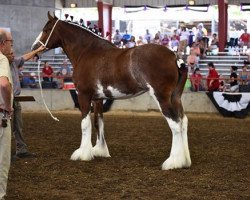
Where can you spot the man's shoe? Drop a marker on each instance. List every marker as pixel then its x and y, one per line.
pixel 26 155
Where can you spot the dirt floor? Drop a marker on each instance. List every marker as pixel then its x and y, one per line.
pixel 138 143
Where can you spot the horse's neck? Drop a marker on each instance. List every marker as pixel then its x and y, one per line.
pixel 76 42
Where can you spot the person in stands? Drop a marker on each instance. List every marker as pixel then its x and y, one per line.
pixel 196 81
pixel 47 72
pixel 213 82
pixel 234 87
pixel 244 39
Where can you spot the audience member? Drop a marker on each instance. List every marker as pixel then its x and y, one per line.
pixel 165 40
pixel 47 72
pixel 234 87
pixel 131 43
pixel 213 48
pixel 184 36
pixel 125 38
pixel 65 73
pixel 141 41
pixel 192 61
pixel 176 35
pixel 6 100
pixel 148 36
pixel 174 43
pixel 156 39
pixel 244 39
pixel 244 75
pixel 213 82
pixel 196 81
pixel 117 39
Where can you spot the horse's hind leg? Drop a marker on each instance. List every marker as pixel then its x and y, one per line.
pixel 101 148
pixel 173 112
pixel 85 150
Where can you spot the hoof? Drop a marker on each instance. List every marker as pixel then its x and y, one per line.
pixel 80 154
pixel 101 151
pixel 171 163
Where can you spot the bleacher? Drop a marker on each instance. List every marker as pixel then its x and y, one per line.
pixel 56 61
pixel 222 63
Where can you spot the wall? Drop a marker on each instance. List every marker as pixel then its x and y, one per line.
pixel 25 19
pixel 61 100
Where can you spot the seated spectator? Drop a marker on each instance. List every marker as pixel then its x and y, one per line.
pixel 192 61
pixel 156 39
pixel 213 82
pixel 141 41
pixel 196 81
pixel 47 72
pixel 244 75
pixel 117 39
pixel 125 38
pixel 234 87
pixel 222 87
pixel 176 35
pixel 244 39
pixel 131 43
pixel 64 74
pixel 29 80
pixel 165 41
pixel 213 48
pixel 174 43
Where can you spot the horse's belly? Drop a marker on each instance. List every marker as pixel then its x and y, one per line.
pixel 115 93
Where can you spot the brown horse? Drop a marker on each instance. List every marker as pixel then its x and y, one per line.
pixel 103 71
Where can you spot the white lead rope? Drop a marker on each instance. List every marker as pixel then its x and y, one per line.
pixel 39 79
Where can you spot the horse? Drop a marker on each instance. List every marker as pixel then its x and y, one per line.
pixel 103 71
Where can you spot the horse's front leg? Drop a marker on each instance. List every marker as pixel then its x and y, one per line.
pixel 101 148
pixel 85 150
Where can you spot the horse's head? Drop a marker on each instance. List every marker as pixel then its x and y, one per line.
pixel 48 37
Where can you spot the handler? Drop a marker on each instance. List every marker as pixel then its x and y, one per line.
pixel 6 97
pixel 17 122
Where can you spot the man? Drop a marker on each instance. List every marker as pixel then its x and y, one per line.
pixel 6 97
pixel 17 122
pixel 117 39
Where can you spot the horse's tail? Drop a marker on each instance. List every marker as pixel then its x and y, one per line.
pixel 183 73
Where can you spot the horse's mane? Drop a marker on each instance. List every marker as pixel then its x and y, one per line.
pixel 90 32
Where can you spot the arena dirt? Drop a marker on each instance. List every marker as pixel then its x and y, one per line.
pixel 139 143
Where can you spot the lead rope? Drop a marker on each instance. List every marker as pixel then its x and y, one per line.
pixel 39 77
pixel 39 80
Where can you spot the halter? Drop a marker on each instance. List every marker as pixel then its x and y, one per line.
pixel 49 35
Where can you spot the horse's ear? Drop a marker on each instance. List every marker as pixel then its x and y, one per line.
pixel 50 17
pixel 55 17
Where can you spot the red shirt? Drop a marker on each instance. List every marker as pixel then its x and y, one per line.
pixel 47 70
pixel 245 37
pixel 212 76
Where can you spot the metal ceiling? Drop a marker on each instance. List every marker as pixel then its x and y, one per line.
pixel 121 3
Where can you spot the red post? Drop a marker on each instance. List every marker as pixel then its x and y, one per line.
pixel 105 18
pixel 223 24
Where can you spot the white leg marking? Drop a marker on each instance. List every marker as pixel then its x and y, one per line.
pixel 179 155
pixel 152 94
pixel 85 150
pixel 101 148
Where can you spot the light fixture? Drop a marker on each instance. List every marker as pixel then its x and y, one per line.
pixel 73 5
pixel 191 2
